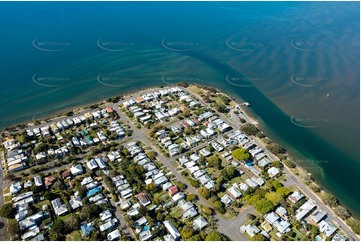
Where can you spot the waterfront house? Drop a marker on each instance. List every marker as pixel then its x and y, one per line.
pixel 327 228
pixel 305 209
pixel 295 197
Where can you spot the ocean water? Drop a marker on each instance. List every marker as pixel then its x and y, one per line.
pixel 297 63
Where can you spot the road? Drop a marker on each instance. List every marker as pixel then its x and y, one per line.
pixel 231 227
pixel 119 215
pixel 294 180
pixel 4 235
pixel 228 226
pixel 235 123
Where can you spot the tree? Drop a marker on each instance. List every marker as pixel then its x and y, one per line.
pixel 354 224
pixel 275 148
pixel 313 232
pixel 249 129
pixel 191 197
pixel 151 187
pixel 142 210
pixel 329 199
pixel 204 192
pixel 151 154
pixel 73 224
pixel 214 161
pixel 342 212
pixel 283 191
pixel 241 154
pixel 263 205
pixel 58 226
pixel 14 228
pixel 277 164
pixel 207 210
pixel 218 205
pixel 186 232
pixel 250 216
pixel 7 211
pixel 314 188
pixel 180 185
pixel 276 184
pixel 259 237
pixel 193 183
pixel 274 197
pixel 289 164
pixel 214 236
pixel 230 172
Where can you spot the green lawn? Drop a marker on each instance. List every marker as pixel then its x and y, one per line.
pixel 7 199
pixel 176 212
pixel 215 173
pixel 66 217
pixel 7 190
pixel 40 204
pixel 237 179
pixel 74 236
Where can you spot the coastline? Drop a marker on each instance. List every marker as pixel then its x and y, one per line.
pixel 303 171
pixel 86 108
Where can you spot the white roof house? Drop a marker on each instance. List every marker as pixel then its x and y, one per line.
pixel 226 199
pixel 327 228
pixel 250 229
pixel 199 223
pixel 108 225
pixel 92 164
pixel 15 187
pixel 59 208
pixel 76 170
pixel 234 192
pixel 172 229
pixel 75 202
pixel 295 197
pixel 115 234
pixel 177 197
pixel 273 171
pixel 305 209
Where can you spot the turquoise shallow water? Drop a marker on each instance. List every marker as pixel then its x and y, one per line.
pixel 296 63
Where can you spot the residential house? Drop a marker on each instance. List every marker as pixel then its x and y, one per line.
pixel 295 197
pixel 199 223
pixel 172 230
pixel 58 207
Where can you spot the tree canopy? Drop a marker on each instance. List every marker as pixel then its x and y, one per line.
pixel 241 154
pixel 7 211
pixel 214 236
pixel 249 129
